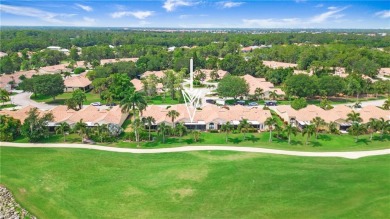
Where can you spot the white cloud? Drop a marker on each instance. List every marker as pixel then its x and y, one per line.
pixel 383 14
pixel 229 4
pixel 33 12
pixel 171 5
pixel 319 6
pixel 332 14
pixel 84 7
pixel 137 14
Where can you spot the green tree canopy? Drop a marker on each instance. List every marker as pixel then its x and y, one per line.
pixel 232 86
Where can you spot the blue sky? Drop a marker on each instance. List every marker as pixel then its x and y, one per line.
pixel 198 13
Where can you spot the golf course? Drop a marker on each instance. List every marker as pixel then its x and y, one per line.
pixel 82 183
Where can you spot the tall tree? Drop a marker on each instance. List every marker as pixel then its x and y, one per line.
pixel 318 122
pixel 132 101
pixel 49 85
pixel 79 97
pixel 270 122
pixel 137 126
pixel 227 127
pixel 149 121
pixel 101 131
pixel 372 126
pixel 232 86
pixel 356 129
pixel 62 128
pixel 162 130
pixel 290 130
pixel 259 93
pixel 81 128
pixel 173 114
pixel 9 128
pixel 308 130
pixel 4 96
pixel 244 127
pixel 354 117
pixel 383 125
pixel 35 126
pixel 386 104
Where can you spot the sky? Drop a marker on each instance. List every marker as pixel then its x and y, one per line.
pixel 198 13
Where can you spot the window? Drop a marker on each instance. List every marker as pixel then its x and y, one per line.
pixel 211 126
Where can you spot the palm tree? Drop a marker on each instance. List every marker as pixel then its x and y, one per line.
pixel 4 95
pixel 273 95
pixel 67 74
pixel 332 127
pixel 227 127
pixel 81 128
pixel 278 129
pixel 308 130
pixel 356 129
pixel 386 104
pixel 372 126
pixel 137 126
pixel 162 129
pixel 173 114
pixel 318 122
pixel 109 98
pixel 383 125
pixel 149 121
pixel 244 126
pixel 133 101
pixel 270 122
pixel 259 93
pixel 180 129
pixel 290 129
pixel 196 134
pixel 354 117
pixel 62 129
pixel 101 131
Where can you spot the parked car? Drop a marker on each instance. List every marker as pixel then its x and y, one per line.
pixel 111 104
pixel 271 103
pixel 253 104
pixel 210 101
pixel 96 104
pixel 240 102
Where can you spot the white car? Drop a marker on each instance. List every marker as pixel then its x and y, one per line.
pixel 96 104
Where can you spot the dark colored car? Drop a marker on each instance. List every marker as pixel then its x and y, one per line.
pixel 271 103
pixel 210 101
pixel 111 104
pixel 240 102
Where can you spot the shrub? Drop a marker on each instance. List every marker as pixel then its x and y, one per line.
pixel 299 103
pixel 78 70
pixel 213 131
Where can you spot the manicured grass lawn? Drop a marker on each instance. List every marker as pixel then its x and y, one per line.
pixel 76 183
pixel 325 142
pixel 60 99
pixel 159 100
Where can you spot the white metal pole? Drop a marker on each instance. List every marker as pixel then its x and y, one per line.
pixel 191 73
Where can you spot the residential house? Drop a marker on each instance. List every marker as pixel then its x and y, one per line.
pixel 267 87
pixel 339 115
pixel 275 65
pixel 77 82
pixel 207 72
pixel 108 61
pixel 210 117
pixel 90 115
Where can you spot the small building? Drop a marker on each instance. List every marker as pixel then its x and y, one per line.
pixel 77 82
pixel 266 86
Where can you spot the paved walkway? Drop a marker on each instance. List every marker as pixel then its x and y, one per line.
pixel 349 155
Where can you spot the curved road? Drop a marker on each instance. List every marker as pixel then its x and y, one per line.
pixel 349 155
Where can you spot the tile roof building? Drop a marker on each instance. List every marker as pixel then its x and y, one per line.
pixel 338 114
pixel 77 82
pixel 267 87
pixel 210 117
pixel 207 72
pixel 90 115
pixel 274 64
